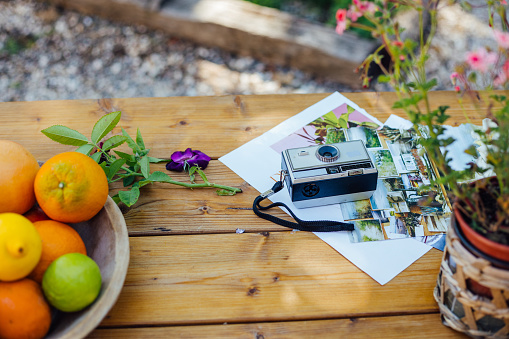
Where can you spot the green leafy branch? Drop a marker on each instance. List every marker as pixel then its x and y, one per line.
pixel 132 169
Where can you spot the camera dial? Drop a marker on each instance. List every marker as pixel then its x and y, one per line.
pixel 327 153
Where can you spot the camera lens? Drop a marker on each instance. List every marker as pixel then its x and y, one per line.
pixel 327 153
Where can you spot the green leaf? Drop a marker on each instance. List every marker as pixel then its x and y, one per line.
pixel 159 177
pixel 202 174
pixel 130 142
pixel 113 142
pixel 442 117
pixel 331 119
pixel 65 135
pixel 343 123
pixel 401 104
pixel 472 77
pixel 116 198
pixel 225 192
pixel 127 157
pixel 145 167
pixel 343 119
pixel 368 124
pixel 144 152
pixel 143 182
pixel 429 85
pixel 105 125
pixel 384 79
pixel 136 167
pixel 127 181
pixel 157 160
pixel 85 149
pixel 472 150
pixel 96 156
pixel 191 172
pixel 105 168
pixel 466 6
pixel 139 140
pixel 114 167
pixel 129 197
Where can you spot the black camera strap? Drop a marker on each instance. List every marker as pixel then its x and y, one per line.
pixel 301 225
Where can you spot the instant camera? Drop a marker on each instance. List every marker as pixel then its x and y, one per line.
pixel 329 174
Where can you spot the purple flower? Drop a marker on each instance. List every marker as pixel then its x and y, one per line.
pixel 192 158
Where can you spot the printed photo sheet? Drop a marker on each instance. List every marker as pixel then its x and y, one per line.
pixel 258 162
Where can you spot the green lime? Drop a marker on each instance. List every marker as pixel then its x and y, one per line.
pixel 72 282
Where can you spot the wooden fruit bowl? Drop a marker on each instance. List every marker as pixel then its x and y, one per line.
pixel 107 242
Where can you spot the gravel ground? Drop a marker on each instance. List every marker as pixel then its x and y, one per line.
pixel 47 54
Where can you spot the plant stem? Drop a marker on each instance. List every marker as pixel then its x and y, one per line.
pixel 207 184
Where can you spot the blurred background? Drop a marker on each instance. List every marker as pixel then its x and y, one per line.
pixel 49 51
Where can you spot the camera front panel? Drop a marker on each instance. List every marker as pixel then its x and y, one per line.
pixel 337 190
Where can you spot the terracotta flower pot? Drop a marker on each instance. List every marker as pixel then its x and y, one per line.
pixel 483 244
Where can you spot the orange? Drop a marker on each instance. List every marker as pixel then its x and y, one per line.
pixel 18 168
pixel 24 313
pixel 36 214
pixel 57 239
pixel 71 187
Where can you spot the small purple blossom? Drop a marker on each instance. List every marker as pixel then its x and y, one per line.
pixel 192 158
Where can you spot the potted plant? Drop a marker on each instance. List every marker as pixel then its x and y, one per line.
pixel 474 274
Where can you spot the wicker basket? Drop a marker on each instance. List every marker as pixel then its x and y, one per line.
pixel 472 289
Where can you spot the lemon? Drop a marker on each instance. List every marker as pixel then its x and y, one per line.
pixel 72 282
pixel 20 246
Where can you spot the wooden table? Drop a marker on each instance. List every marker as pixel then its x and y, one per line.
pixel 191 275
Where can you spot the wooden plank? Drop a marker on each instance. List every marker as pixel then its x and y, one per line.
pixel 214 125
pixel 189 211
pixel 217 278
pixel 409 326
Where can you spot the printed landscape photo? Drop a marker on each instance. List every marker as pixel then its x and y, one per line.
pixel 355 210
pixel 367 230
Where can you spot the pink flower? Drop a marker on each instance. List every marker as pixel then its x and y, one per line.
pixel 500 80
pixel 364 6
pixel 353 13
pixel 502 38
pixel 457 89
pixel 503 2
pixel 398 43
pixel 503 75
pixel 481 60
pixel 453 77
pixel 341 27
pixel 341 14
pixel 367 7
pixel 341 21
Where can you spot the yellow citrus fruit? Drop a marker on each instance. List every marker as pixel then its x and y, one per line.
pixel 57 239
pixel 72 282
pixel 20 246
pixel 24 313
pixel 18 168
pixel 71 187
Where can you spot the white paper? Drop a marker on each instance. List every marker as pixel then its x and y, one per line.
pixel 258 164
pixel 395 121
pixel 382 260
